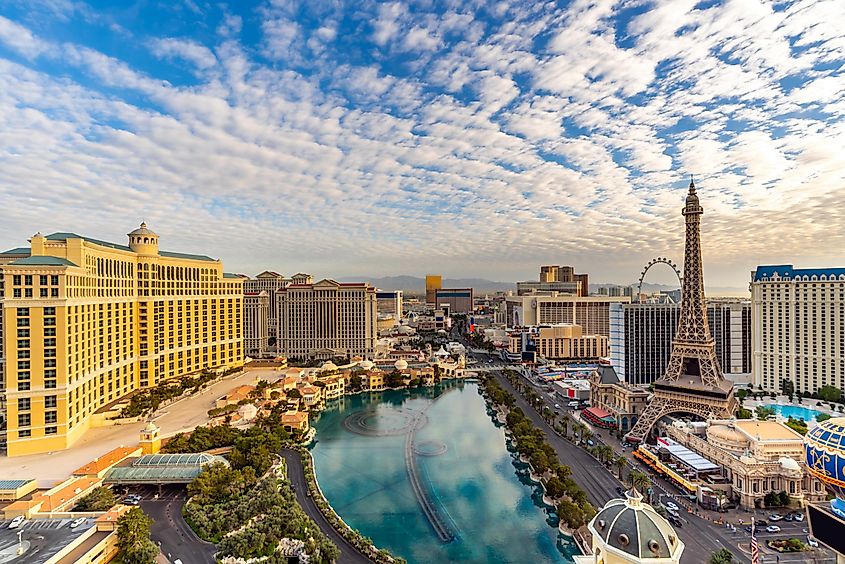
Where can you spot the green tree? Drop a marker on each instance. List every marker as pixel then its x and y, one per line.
pixel 743 413
pixel 639 480
pixel 100 499
pixel 722 556
pixel 830 393
pixel 764 412
pixel 620 462
pixel 570 514
pixel 133 538
pixel 822 417
pixel 797 425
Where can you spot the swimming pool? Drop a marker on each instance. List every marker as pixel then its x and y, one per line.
pixel 795 411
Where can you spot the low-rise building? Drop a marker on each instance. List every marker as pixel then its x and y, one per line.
pixel 624 402
pixel 295 421
pixel 235 396
pixel 758 457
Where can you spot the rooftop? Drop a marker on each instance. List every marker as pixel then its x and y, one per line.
pixel 788 272
pixel 42 261
pixel 162 468
pixel 13 484
pixel 103 462
pixel 767 430
pixel 169 254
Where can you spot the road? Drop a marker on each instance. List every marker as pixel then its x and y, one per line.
pixel 296 475
pixel 699 536
pixel 173 534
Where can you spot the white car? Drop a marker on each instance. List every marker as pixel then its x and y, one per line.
pixel 812 542
pixel 772 529
pixel 76 522
pixel 16 522
pixel 672 506
pixel 799 516
pixel 775 517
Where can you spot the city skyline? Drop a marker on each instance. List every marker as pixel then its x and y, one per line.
pixel 390 139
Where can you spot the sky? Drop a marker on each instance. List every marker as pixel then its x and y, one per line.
pixel 468 138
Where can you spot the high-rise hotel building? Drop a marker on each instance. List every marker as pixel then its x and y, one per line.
pixel 798 331
pixel 257 324
pixel 86 322
pixel 641 338
pixel 327 319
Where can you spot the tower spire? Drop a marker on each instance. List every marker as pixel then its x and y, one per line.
pixel 691 185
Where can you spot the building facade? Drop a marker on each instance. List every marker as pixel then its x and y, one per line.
pixel 257 324
pixel 591 313
pixel 798 331
pixel 270 282
pixel 327 319
pixel 390 304
pixel 757 457
pixel 569 343
pixel 642 333
pixel 87 322
pixel 454 300
pixel 433 282
pixel 624 402
pixel 554 278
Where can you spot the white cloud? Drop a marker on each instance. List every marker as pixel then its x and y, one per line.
pixel 21 39
pixel 191 51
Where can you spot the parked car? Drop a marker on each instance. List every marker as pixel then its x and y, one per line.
pixel 789 517
pixel 557 406
pixel 772 529
pixel 16 522
pixel 761 522
pixel 748 529
pixel 590 442
pixel 812 542
pixel 775 517
pixel 799 517
pixel 572 404
pixel 76 522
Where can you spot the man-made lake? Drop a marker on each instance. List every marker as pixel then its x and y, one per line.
pixel 427 475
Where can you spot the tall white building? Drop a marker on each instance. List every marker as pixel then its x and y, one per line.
pixel 591 313
pixel 641 337
pixel 798 318
pixel 390 304
pixel 257 324
pixel 327 319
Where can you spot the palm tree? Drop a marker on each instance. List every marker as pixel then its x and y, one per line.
pixel 639 480
pixel 620 462
pixel 565 424
pixel 586 434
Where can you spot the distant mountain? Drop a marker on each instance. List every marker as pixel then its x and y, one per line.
pixel 413 284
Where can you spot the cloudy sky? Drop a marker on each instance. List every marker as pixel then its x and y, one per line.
pixel 472 138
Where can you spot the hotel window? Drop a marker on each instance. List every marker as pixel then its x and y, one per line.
pixel 54 280
pixel 24 433
pixel 50 401
pixel 24 404
pixel 24 419
pixel 27 280
pixel 50 417
pixel 50 430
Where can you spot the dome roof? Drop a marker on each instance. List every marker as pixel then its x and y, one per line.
pixel 151 427
pixel 726 434
pixel 441 352
pixel 143 231
pixel 400 364
pixel 328 365
pixel 789 464
pixel 635 531
pixel 366 364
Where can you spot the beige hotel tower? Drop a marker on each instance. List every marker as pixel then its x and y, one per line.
pixel 86 322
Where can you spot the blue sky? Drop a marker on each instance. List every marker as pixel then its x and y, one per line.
pixel 468 138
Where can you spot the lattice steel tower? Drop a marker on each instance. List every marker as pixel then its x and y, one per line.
pixel 693 382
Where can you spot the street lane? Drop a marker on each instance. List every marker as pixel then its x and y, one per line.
pixel 173 535
pixel 296 475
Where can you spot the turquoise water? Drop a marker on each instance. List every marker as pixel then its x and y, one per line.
pixel 795 411
pixel 480 490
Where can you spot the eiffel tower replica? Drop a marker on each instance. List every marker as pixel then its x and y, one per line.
pixel 693 382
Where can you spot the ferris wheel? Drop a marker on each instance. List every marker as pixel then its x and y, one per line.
pixel 659 260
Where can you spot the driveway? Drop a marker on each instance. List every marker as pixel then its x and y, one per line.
pixel 173 535
pixel 296 474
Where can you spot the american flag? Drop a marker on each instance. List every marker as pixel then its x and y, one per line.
pixel 755 551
